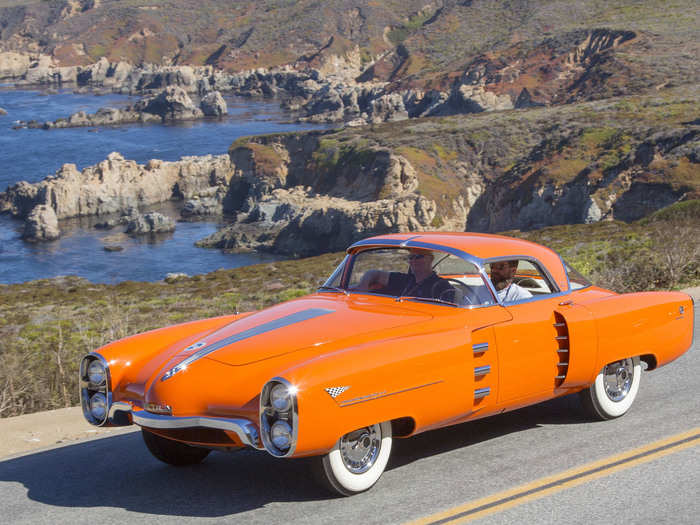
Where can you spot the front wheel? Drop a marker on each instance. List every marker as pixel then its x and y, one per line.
pixel 173 452
pixel 357 460
pixel 614 389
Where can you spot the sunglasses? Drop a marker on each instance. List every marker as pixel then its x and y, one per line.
pixel 415 256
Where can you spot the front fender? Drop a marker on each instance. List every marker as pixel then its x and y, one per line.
pixel 424 377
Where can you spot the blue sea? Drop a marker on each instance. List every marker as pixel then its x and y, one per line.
pixel 32 154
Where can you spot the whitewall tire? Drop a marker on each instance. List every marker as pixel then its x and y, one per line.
pixel 614 389
pixel 357 460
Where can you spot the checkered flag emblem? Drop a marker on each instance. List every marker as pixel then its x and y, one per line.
pixel 336 390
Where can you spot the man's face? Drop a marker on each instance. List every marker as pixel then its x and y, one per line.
pixel 502 271
pixel 420 262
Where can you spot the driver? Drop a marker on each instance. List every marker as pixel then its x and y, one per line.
pixel 420 281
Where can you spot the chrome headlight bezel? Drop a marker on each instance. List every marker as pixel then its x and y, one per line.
pixel 88 388
pixel 269 415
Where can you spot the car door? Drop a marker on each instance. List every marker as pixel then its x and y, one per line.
pixel 532 346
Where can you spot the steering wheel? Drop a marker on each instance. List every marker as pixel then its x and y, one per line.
pixel 464 294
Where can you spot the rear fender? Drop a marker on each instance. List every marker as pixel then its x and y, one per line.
pixel 651 324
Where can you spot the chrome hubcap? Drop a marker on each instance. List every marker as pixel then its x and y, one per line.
pixel 617 378
pixel 359 449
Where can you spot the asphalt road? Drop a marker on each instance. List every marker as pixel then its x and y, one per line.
pixel 115 480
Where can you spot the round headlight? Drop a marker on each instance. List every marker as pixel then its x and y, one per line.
pixel 98 406
pixel 280 398
pixel 96 372
pixel 281 435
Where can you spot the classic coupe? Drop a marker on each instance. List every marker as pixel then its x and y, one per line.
pixel 411 332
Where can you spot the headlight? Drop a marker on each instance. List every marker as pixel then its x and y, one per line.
pixel 98 406
pixel 279 398
pixel 281 435
pixel 96 372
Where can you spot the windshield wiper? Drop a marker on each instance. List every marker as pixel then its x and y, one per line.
pixel 333 289
pixel 425 299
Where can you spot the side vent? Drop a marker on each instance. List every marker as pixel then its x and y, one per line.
pixel 481 392
pixel 562 338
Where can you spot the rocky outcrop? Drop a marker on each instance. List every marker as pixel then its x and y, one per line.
pixel 213 104
pixel 150 223
pixel 3 112
pixel 117 186
pixel 170 104
pixel 41 225
pixel 297 222
pixel 627 190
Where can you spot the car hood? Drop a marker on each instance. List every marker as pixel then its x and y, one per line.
pixel 303 323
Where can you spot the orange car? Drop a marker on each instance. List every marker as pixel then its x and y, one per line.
pixel 410 333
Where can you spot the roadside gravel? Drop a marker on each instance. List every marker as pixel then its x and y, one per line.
pixel 33 432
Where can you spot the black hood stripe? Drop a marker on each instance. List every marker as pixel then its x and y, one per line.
pixel 287 320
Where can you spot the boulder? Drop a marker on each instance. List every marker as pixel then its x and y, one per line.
pixel 153 222
pixel 3 112
pixel 41 225
pixel 213 104
pixel 201 208
pixel 174 277
pixel 172 103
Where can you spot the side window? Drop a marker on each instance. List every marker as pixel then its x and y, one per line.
pixel 575 278
pixel 518 279
pixel 465 278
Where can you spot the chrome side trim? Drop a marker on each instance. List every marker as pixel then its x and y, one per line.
pixel 562 350
pixel 561 337
pixel 481 392
pixel 480 348
pixel 287 320
pixel 559 377
pixel 559 325
pixel 482 370
pixel 243 428
pixel 379 395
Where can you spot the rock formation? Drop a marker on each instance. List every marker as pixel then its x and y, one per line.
pixel 150 223
pixel 41 225
pixel 169 104
pixel 117 186
pixel 3 112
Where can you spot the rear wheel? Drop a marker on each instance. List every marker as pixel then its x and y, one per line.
pixel 614 389
pixel 173 452
pixel 357 460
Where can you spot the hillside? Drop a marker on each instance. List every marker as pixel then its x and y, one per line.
pixel 558 51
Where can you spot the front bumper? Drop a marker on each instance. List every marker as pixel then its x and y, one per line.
pixel 244 429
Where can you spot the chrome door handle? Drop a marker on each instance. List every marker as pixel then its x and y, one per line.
pixel 566 303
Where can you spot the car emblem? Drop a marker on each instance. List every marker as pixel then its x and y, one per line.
pixel 335 391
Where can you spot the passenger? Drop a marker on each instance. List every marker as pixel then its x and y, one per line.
pixel 502 274
pixel 419 281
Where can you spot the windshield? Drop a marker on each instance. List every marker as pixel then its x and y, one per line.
pixel 427 275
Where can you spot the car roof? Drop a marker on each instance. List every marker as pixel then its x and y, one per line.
pixel 478 245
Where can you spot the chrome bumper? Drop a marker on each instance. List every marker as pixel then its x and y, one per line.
pixel 244 429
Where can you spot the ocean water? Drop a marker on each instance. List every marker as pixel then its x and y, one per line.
pixel 32 154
